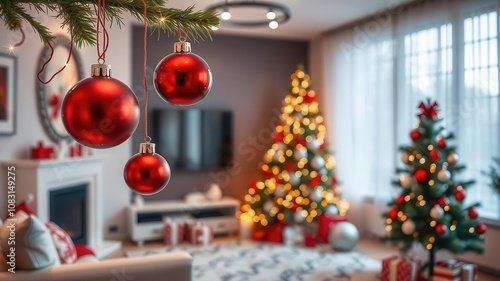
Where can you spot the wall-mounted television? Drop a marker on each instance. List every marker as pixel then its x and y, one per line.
pixel 194 139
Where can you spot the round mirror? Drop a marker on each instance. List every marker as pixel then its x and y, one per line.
pixel 51 95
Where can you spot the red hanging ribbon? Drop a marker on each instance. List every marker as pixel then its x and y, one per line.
pixel 428 110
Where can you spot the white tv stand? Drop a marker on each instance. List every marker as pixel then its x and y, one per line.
pixel 146 222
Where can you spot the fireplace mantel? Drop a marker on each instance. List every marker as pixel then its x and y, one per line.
pixel 39 177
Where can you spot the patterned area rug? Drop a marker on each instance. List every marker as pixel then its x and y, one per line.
pixel 249 261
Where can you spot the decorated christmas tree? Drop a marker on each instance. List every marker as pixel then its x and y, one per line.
pixel 297 181
pixel 430 209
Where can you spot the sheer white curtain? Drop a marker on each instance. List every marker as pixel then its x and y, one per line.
pixel 359 67
pixel 376 73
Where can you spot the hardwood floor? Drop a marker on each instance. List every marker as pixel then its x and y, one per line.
pixel 371 248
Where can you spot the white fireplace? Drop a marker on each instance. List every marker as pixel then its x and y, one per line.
pixel 41 177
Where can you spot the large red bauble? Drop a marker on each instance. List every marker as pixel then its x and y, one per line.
pixel 421 175
pixel 443 201
pixel 100 112
pixel 441 229
pixel 441 143
pixel 393 214
pixel 182 78
pixel 481 228
pixel 315 181
pixel 147 174
pixel 400 200
pixel 460 195
pixel 473 214
pixel 415 135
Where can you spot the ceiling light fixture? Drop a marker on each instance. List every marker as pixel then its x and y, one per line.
pixel 276 13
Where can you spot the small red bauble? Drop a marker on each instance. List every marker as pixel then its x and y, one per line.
pixel 182 78
pixel 473 214
pixel 290 166
pixel 460 195
pixel 400 200
pixel 415 135
pixel 255 186
pixel 421 175
pixel 393 214
pixel 301 141
pixel 295 206
pixel 278 137
pixel 434 155
pixel 481 228
pixel 147 173
pixel 441 229
pixel 100 111
pixel 441 143
pixel 334 180
pixel 315 181
pixel 310 97
pixel 443 201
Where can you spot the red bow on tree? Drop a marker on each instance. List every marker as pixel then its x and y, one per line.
pixel 428 110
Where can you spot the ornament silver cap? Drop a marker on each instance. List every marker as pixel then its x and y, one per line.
pixel 101 70
pixel 147 148
pixel 182 47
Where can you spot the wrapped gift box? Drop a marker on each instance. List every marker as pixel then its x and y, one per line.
pixel 396 269
pixel 455 271
pixel 188 227
pixel 174 232
pixel 293 236
pixel 274 233
pixel 325 223
pixel 201 235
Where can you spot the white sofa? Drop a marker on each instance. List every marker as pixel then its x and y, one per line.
pixel 164 267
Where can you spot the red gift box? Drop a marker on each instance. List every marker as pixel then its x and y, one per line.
pixel 455 271
pixel 275 232
pixel 396 269
pixel 310 241
pixel 174 232
pixel 325 223
pixel 188 226
pixel 41 152
pixel 259 235
pixel 201 235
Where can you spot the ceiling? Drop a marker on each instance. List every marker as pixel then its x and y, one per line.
pixel 309 18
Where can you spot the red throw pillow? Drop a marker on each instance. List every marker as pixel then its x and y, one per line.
pixel 82 250
pixel 64 244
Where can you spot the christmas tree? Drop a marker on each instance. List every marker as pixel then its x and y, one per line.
pixel 297 182
pixel 494 174
pixel 430 208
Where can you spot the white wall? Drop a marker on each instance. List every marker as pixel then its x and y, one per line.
pixel 29 126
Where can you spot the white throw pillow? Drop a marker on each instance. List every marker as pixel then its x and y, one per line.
pixel 34 248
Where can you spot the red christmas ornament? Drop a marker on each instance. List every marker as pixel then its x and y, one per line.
pixel 310 97
pixel 481 228
pixel 400 200
pixel 146 172
pixel 441 143
pixel 421 175
pixel 473 214
pixel 295 206
pixel 434 155
pixel 443 201
pixel 315 181
pixel 290 166
pixel 441 229
pixel 334 180
pixel 393 214
pixel 278 137
pixel 415 135
pixel 460 195
pixel 301 141
pixel 100 111
pixel 255 186
pixel 428 110
pixel 182 78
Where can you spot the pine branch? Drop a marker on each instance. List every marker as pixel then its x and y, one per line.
pixel 79 17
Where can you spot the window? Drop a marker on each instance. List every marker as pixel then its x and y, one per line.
pixel 446 51
pixel 478 117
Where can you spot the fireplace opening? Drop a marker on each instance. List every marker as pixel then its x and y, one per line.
pixel 68 209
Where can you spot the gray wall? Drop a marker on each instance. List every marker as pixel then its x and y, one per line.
pixel 251 78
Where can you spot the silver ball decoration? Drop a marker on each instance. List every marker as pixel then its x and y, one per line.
pixel 343 236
